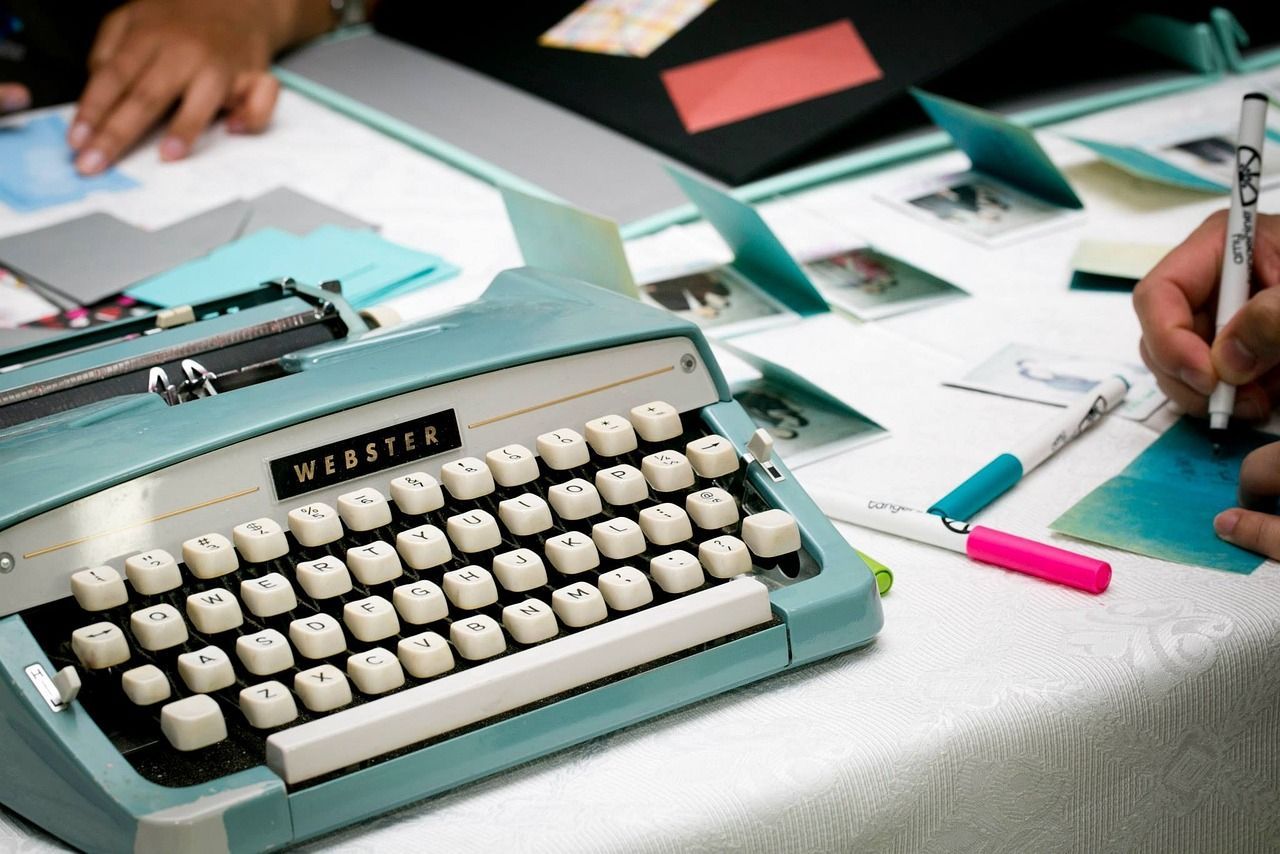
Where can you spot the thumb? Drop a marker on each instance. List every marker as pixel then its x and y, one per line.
pixel 1249 345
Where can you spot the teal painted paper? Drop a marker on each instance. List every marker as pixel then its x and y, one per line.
pixel 1162 505
pixel 1000 148
pixel 757 252
pixel 559 237
pixel 1232 37
pixel 1145 165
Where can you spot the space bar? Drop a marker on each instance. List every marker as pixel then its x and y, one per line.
pixel 381 726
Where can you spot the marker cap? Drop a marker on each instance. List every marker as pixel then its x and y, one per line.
pixel 1038 559
pixel 986 485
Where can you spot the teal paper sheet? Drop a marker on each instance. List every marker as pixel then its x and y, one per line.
pixel 1001 149
pixel 370 267
pixel 1143 164
pixel 757 252
pixel 1162 505
pixel 1232 37
pixel 559 237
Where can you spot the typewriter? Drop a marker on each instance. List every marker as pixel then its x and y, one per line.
pixel 265 572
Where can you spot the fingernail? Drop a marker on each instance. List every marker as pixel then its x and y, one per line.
pixel 1238 357
pixel 236 126
pixel 79 135
pixel 1225 522
pixel 172 148
pixel 1201 382
pixel 92 161
pixel 17 99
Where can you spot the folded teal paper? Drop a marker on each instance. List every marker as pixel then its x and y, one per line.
pixel 1000 148
pixel 1145 165
pixel 37 168
pixel 369 267
pixel 559 237
pixel 758 253
pixel 1232 37
pixel 1162 505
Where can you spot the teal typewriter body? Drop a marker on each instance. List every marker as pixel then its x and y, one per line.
pixel 198 652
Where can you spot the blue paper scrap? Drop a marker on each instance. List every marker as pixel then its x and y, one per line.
pixel 1162 505
pixel 37 171
pixel 370 268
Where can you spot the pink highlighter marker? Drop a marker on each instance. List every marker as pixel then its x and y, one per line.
pixel 979 543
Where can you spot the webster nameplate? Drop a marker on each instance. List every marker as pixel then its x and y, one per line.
pixel 375 451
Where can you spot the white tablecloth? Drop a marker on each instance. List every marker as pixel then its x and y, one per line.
pixel 994 712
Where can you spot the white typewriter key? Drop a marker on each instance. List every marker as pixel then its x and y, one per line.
pixel 315 524
pixel 420 602
pixel 665 524
pixel 213 611
pixel 100 645
pixel 712 456
pixel 206 670
pixel 364 509
pixel 579 604
pixel 618 538
pixel 99 588
pixel 267 705
pixel 416 493
pixel 474 531
pixel 470 587
pixel 575 499
pixel 667 471
pixel 477 637
pixel 264 653
pixel 145 685
pixel 622 485
pixel 611 435
pixel 512 465
pixel 520 570
pixel 193 723
pixel 268 595
pixel 324 577
pixel 317 636
pixel 158 627
pixel 371 619
pixel 153 572
pixel 374 563
pixel 724 557
pixel 530 621
pixel 771 533
pixel 260 540
pixel 625 588
pixel 572 552
pixel 423 547
pixel 676 572
pixel 563 449
pixel 375 671
pixel 467 478
pixel 711 508
pixel 657 421
pixel 322 688
pixel 525 514
pixel 210 556
pixel 425 655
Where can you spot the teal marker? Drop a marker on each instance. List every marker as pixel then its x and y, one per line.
pixel 998 476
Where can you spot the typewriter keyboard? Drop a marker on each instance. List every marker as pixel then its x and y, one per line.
pixel 339 634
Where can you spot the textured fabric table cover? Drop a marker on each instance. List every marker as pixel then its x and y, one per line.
pixel 994 712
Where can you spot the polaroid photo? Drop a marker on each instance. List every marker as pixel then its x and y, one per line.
pixel 980 208
pixel 1034 373
pixel 870 285
pixel 718 299
pixel 805 428
pixel 1209 151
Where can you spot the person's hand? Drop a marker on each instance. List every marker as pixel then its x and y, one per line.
pixel 1253 525
pixel 201 57
pixel 1176 303
pixel 13 97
